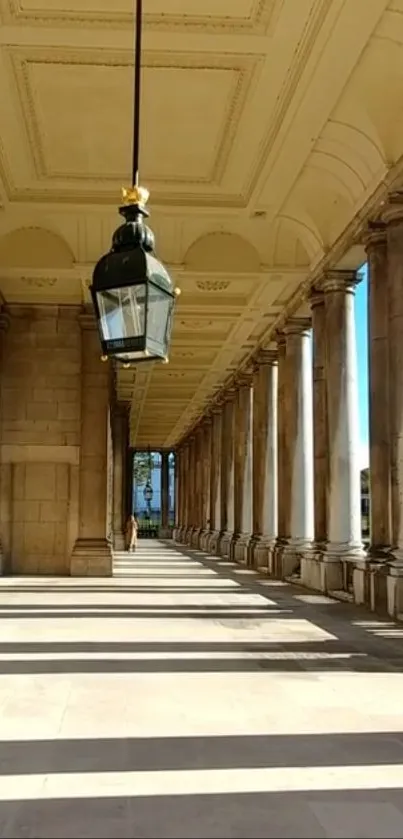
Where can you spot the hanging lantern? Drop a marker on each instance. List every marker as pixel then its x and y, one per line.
pixel 148 492
pixel 132 292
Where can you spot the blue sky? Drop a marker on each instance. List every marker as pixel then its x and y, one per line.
pixel 361 320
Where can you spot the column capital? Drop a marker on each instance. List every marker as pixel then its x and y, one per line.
pixel 279 337
pixel 229 393
pixel 316 297
pixel 339 281
pixel 374 235
pixel 244 379
pixel 297 326
pixel 265 357
pixel 392 212
pixel 216 408
pixel 4 321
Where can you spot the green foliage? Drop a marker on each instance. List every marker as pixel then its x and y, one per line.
pixel 142 467
pixel 365 481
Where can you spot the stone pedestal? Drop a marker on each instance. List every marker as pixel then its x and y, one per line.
pixel 92 553
pixel 344 526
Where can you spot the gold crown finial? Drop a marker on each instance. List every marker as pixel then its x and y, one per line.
pixel 135 195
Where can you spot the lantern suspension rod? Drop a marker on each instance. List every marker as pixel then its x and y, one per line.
pixel 137 92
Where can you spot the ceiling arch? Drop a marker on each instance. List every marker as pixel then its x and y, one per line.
pixel 34 247
pixel 222 253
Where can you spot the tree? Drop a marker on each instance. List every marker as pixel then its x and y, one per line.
pixel 142 467
pixel 364 481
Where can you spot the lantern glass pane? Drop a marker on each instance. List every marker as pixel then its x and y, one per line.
pixel 122 312
pixel 159 318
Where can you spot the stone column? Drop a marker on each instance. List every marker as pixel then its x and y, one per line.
pixel 243 459
pixel 206 464
pixel 344 526
pixel 215 480
pixel 178 493
pixel 227 464
pixel 299 442
pixel 283 460
pixel 378 363
pixel 190 490
pixel 129 481
pixel 92 554
pixel 5 478
pixel 198 478
pixel 312 568
pixel 119 419
pixel 183 471
pixel 165 531
pixel 393 216
pixel 265 474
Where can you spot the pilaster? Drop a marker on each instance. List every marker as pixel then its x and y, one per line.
pixel 91 554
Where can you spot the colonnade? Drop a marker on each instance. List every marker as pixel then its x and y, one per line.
pixel 270 476
pixel 122 471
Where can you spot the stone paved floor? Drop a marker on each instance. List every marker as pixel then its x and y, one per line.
pixel 191 698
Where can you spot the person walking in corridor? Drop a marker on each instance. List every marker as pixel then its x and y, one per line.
pixel 131 534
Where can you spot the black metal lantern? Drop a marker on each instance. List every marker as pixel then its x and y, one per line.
pixel 132 292
pixel 148 492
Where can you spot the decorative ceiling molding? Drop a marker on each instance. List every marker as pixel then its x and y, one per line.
pixel 212 285
pixel 39 282
pixel 76 186
pixel 257 23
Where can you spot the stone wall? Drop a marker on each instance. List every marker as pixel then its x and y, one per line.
pixel 40 412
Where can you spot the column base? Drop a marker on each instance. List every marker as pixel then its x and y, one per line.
pixel 212 542
pixel 345 558
pixel 91 558
pixel 293 553
pixel 394 588
pixel 194 537
pixel 261 550
pixel 240 548
pixel 203 540
pixel 276 558
pixel 187 535
pixel 165 533
pixel 178 534
pixel 224 543
pixel 320 571
pixel 119 541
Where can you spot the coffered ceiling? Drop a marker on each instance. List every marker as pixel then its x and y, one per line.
pixel 267 126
